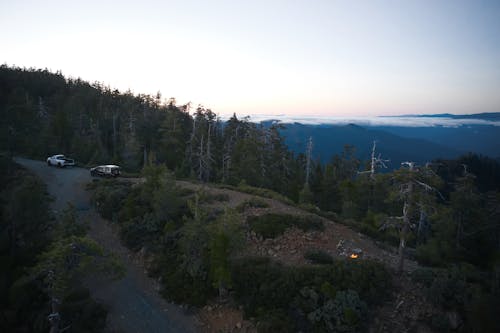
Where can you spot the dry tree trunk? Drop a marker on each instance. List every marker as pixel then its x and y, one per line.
pixel 402 238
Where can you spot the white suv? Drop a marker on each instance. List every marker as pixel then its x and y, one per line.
pixel 60 161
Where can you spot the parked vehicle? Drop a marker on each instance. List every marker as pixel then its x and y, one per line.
pixel 60 161
pixel 105 171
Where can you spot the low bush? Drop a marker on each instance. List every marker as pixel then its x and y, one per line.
pixel 273 225
pixel 465 290
pixel 253 202
pixel 261 192
pixel 424 276
pixel 434 253
pixel 179 283
pixel 184 191
pixel 82 312
pixel 314 297
pixel 318 257
pixel 108 196
pixel 212 197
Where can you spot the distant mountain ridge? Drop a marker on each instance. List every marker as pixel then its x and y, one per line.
pixel 400 138
pixel 484 115
pixel 330 140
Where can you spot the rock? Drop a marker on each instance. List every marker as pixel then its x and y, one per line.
pixel 357 251
pixel 454 320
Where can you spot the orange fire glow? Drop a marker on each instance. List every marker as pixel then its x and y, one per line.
pixel 354 256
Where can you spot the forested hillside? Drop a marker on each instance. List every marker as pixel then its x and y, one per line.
pixel 445 214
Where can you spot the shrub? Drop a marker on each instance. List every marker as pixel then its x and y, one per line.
pixel 262 192
pixel 253 202
pixel 82 312
pixel 273 225
pixel 138 231
pixel 423 275
pixel 108 196
pixel 212 197
pixel 318 257
pixel 178 283
pixel 184 191
pixel 263 286
pixel 447 290
pixel 305 195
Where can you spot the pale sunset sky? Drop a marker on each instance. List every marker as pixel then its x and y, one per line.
pixel 296 57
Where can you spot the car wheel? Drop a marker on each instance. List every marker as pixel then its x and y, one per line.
pixel 48 163
pixel 59 165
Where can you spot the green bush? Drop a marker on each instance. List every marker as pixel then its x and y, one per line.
pixel 261 192
pixel 318 257
pixel 82 313
pixel 482 313
pixel 184 191
pixel 273 225
pixel 448 290
pixel 108 196
pixel 424 276
pixel 434 253
pixel 206 197
pixel 263 286
pixel 141 231
pixel 253 202
pixel 178 283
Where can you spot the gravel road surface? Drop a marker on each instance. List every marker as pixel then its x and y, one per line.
pixel 133 302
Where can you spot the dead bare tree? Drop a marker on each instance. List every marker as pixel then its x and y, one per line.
pixel 376 162
pixel 308 159
pixel 200 159
pixel 208 157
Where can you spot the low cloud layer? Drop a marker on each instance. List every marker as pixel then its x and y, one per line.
pixel 410 121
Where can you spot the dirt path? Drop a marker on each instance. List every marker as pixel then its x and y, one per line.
pixel 133 302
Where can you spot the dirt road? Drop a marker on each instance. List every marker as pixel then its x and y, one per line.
pixel 133 302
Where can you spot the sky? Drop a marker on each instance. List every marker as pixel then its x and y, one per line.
pixel 322 58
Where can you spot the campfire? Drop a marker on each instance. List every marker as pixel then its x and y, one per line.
pixel 353 256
